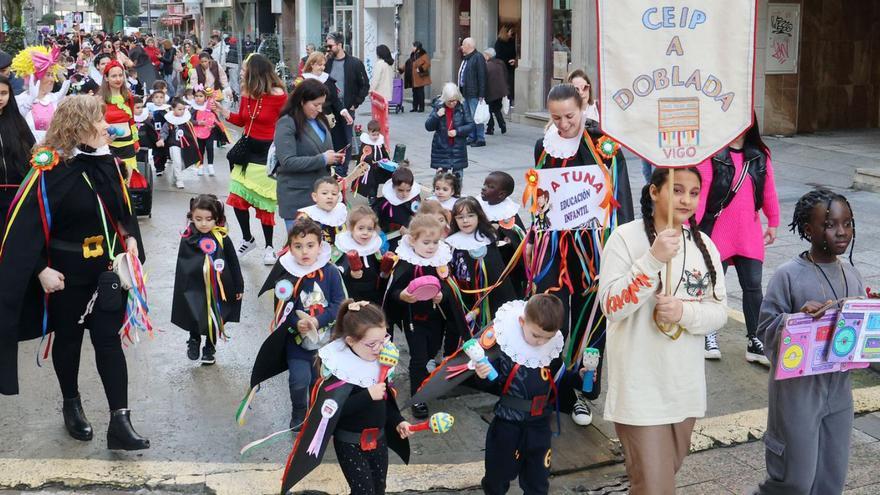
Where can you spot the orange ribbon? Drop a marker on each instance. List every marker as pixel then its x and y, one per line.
pixel 531 191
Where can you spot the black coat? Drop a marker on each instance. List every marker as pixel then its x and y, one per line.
pixel 474 76
pixel 444 155
pixel 357 84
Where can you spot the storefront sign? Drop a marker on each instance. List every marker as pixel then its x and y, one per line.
pixel 676 77
pixel 783 38
pixel 572 198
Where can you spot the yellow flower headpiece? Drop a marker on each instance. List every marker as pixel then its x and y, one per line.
pixel 38 61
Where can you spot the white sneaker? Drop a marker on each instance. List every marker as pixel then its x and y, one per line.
pixel 246 247
pixel 200 170
pixel 178 184
pixel 580 413
pixel 269 256
pixel 711 350
pixel 211 169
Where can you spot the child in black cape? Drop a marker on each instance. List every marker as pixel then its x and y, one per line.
pixel 503 214
pixel 374 150
pixel 179 137
pixel 328 211
pixel 208 285
pixel 398 204
pixel 361 260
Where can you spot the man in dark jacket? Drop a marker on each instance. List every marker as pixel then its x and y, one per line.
pixel 472 81
pixel 496 90
pixel 353 85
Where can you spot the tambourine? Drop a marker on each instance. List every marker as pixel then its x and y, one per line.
pixel 424 288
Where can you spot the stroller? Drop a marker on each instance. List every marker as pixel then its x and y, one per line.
pixel 141 190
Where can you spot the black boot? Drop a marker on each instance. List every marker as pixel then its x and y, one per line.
pixel 121 435
pixel 75 420
pixel 297 417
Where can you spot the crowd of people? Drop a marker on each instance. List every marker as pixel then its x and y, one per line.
pixel 368 259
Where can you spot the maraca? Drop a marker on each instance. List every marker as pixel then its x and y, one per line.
pixel 476 353
pixel 590 362
pixel 387 264
pixel 388 358
pixel 355 263
pixel 114 132
pixel 440 422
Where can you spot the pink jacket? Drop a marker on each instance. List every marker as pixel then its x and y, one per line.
pixel 204 123
pixel 738 230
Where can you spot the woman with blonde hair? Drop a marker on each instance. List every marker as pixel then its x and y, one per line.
pixel 334 108
pixel 262 96
pixel 451 125
pixel 55 272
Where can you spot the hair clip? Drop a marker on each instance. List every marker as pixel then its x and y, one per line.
pixel 357 305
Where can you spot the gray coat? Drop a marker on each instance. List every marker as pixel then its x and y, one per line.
pixel 300 164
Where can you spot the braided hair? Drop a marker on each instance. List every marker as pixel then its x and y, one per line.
pixel 803 212
pixel 658 178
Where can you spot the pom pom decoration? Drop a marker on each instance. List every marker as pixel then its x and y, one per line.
pixel 38 61
pixel 607 147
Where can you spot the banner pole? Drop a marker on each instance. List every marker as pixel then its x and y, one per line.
pixel 671 188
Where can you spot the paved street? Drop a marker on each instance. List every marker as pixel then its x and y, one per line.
pixel 187 411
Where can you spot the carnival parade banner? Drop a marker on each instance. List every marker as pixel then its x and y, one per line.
pixel 676 77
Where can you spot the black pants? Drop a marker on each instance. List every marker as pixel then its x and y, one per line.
pixel 749 271
pixel 419 99
pixel 206 149
pixel 496 113
pixel 160 158
pixel 365 472
pixel 65 309
pixel 198 336
pixel 517 449
pixel 423 339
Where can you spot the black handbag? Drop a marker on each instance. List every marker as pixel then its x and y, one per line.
pixel 239 153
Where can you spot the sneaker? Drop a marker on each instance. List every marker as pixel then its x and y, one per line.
pixel 581 414
pixel 269 256
pixel 200 171
pixel 208 356
pixel 246 247
pixel 712 351
pixel 420 410
pixel 431 366
pixel 478 144
pixel 192 349
pixel 178 184
pixel 211 169
pixel 755 352
pixel 160 173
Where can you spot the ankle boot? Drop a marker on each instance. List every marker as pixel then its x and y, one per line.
pixel 75 420
pixel 121 435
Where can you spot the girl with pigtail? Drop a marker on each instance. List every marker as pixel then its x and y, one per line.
pixel 654 403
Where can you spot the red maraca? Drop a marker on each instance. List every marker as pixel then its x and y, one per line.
pixel 355 263
pixel 387 264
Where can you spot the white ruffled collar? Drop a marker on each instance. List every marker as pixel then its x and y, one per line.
pixel 344 364
pixel 560 147
pixel 195 106
pixel 502 211
pixel 406 252
pixel 391 196
pixel 102 151
pixel 157 108
pixel 345 243
pixel 141 117
pixel 334 218
pixel 289 262
pixel 173 120
pixel 467 242
pixel 509 335
pixel 366 139
pixel 448 204
pixel 323 77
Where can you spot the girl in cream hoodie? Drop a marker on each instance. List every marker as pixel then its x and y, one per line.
pixel 656 375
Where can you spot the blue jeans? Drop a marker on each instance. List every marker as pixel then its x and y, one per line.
pixel 172 89
pixel 300 380
pixel 288 223
pixel 479 133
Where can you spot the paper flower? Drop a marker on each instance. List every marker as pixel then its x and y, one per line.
pixel 607 147
pixel 531 191
pixel 44 158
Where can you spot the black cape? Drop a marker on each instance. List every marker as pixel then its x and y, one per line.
pixel 189 304
pixel 24 252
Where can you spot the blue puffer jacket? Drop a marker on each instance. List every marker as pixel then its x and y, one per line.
pixel 444 155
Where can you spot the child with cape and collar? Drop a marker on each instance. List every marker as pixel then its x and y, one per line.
pixel 147 133
pixel 328 211
pixel 157 108
pixel 308 290
pixel 503 213
pixel 374 149
pixel 423 253
pixel 365 269
pixel 518 440
pixel 179 137
pixel 353 403
pixel 398 204
pixel 208 285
